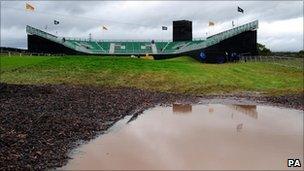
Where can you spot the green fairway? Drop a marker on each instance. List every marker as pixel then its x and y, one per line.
pixel 182 75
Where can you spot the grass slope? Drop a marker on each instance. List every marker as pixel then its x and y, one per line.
pixel 183 75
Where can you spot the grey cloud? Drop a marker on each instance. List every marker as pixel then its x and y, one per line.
pixel 143 19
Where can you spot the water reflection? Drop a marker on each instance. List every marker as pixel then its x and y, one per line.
pixel 249 110
pixel 239 127
pixel 210 110
pixel 182 108
pixel 134 117
pixel 159 139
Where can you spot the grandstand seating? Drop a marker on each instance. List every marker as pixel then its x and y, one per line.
pixel 160 45
pixel 104 46
pixel 141 47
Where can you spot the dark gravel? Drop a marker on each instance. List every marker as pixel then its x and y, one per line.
pixel 40 124
pixel 295 101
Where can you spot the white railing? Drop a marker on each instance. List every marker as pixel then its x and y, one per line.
pixel 115 40
pixel 279 60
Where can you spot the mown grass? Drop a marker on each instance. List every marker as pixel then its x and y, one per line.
pixel 182 75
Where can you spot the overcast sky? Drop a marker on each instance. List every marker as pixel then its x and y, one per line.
pixel 280 22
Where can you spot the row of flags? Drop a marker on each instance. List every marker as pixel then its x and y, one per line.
pixel 30 7
pixel 239 9
pixel 56 22
pixel 211 23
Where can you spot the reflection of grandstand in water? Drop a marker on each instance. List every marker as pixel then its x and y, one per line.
pixel 182 108
pixel 249 110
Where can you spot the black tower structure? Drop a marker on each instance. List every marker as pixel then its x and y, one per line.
pixel 182 30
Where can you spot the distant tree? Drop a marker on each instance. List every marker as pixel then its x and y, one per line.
pixel 262 50
pixel 300 54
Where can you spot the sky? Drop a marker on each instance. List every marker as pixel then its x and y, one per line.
pixel 280 22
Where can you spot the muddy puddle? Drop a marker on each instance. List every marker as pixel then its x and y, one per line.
pixel 213 136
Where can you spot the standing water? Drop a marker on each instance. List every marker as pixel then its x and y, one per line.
pixel 197 137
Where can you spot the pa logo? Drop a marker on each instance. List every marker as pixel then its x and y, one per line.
pixel 293 163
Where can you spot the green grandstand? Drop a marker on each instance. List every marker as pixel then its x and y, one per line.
pixel 138 47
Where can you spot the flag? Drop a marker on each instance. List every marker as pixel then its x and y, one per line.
pixel 164 28
pixel 211 23
pixel 104 28
pixel 56 22
pixel 29 7
pixel 240 10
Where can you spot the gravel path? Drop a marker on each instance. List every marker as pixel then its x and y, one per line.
pixel 40 124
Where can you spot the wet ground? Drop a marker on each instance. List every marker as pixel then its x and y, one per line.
pixel 41 124
pixel 205 136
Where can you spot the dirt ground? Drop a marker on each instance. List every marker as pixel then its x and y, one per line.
pixel 40 124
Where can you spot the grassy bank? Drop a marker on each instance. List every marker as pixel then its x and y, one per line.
pixel 183 75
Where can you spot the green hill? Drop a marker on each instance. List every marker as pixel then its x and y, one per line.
pixel 182 75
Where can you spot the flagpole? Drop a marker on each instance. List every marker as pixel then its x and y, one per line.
pixel 237 13
pixel 207 31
